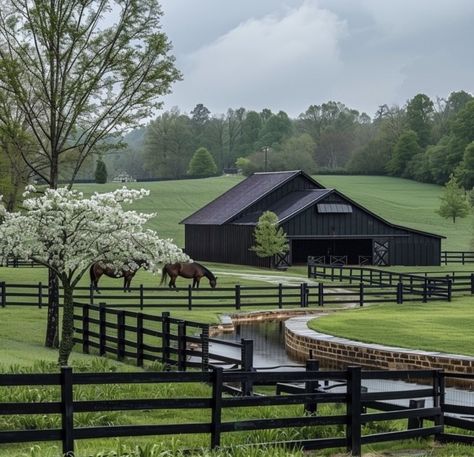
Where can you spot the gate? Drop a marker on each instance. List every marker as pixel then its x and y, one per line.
pixel 381 250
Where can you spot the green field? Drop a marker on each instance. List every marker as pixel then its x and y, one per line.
pixel 435 326
pixel 400 201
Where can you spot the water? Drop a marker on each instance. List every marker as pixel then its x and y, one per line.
pixel 268 344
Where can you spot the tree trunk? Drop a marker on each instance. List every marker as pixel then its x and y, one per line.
pixel 67 336
pixel 52 328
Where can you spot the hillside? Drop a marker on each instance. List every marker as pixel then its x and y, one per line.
pixel 400 201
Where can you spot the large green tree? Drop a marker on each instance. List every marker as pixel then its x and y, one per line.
pixel 406 148
pixel 454 203
pixel 269 238
pixel 202 164
pixel 420 118
pixel 168 145
pixel 80 74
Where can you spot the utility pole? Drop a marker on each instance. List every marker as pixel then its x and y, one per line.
pixel 265 149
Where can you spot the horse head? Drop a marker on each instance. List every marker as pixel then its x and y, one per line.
pixel 213 282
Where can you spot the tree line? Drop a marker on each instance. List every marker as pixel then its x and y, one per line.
pixel 425 140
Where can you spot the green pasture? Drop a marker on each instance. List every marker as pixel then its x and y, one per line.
pixel 400 201
pixel 434 326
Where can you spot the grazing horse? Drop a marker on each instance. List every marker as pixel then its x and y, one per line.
pixel 194 271
pixel 126 272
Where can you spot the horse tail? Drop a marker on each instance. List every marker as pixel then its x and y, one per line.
pixel 164 274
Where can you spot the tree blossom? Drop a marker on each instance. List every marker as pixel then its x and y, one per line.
pixel 63 230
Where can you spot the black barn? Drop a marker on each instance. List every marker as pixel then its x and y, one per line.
pixel 318 222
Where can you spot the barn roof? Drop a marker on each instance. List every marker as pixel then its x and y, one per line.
pixel 238 198
pixel 288 206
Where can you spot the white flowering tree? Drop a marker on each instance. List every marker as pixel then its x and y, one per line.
pixel 63 230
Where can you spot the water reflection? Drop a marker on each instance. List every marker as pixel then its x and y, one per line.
pixel 268 342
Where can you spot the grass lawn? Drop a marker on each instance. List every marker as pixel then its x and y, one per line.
pixel 436 326
pixel 400 201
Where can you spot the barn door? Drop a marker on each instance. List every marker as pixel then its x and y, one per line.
pixel 381 249
pixel 282 261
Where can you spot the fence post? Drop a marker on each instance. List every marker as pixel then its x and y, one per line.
pixel 165 338
pixel 181 346
pixel 67 420
pixel 140 357
pixel 3 293
pixel 472 283
pixel 438 398
pixel 425 290
pixel 361 294
pixel 190 297
pixel 415 422
pixel 216 408
pixel 247 365
pixel 85 328
pixel 311 386
pixel 354 411
pixel 205 348
pixel 399 293
pixel 141 297
pixel 237 296
pixel 120 335
pixel 102 328
pixel 303 295
pixel 280 295
pixel 40 295
pixel 320 294
pixel 450 289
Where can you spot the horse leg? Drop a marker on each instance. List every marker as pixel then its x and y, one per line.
pixel 197 282
pixel 95 283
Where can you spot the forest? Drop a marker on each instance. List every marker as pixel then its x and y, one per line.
pixel 425 140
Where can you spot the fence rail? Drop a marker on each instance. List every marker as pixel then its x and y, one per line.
pixel 181 344
pixel 463 257
pixel 424 284
pixel 349 432
pixel 152 297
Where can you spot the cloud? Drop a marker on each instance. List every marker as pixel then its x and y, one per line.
pixel 289 54
pixel 271 61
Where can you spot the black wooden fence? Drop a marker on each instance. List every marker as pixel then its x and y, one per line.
pixel 280 296
pixel 463 257
pixel 429 285
pixel 176 343
pixel 361 407
pixel 143 297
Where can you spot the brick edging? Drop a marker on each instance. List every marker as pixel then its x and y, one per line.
pixel 299 340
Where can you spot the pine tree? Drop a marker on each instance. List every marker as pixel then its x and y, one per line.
pixel 453 201
pixel 269 238
pixel 100 172
pixel 202 164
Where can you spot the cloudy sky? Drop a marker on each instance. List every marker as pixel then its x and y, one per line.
pixel 289 54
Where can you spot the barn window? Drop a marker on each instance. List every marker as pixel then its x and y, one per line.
pixel 334 208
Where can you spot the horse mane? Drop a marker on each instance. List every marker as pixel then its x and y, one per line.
pixel 207 273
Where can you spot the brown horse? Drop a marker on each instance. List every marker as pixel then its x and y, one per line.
pixel 126 272
pixel 194 271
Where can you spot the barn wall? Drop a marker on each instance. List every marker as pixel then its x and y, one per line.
pixel 225 243
pixel 417 249
pixel 406 247
pixel 310 222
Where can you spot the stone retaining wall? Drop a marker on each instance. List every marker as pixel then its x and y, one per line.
pixel 300 340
